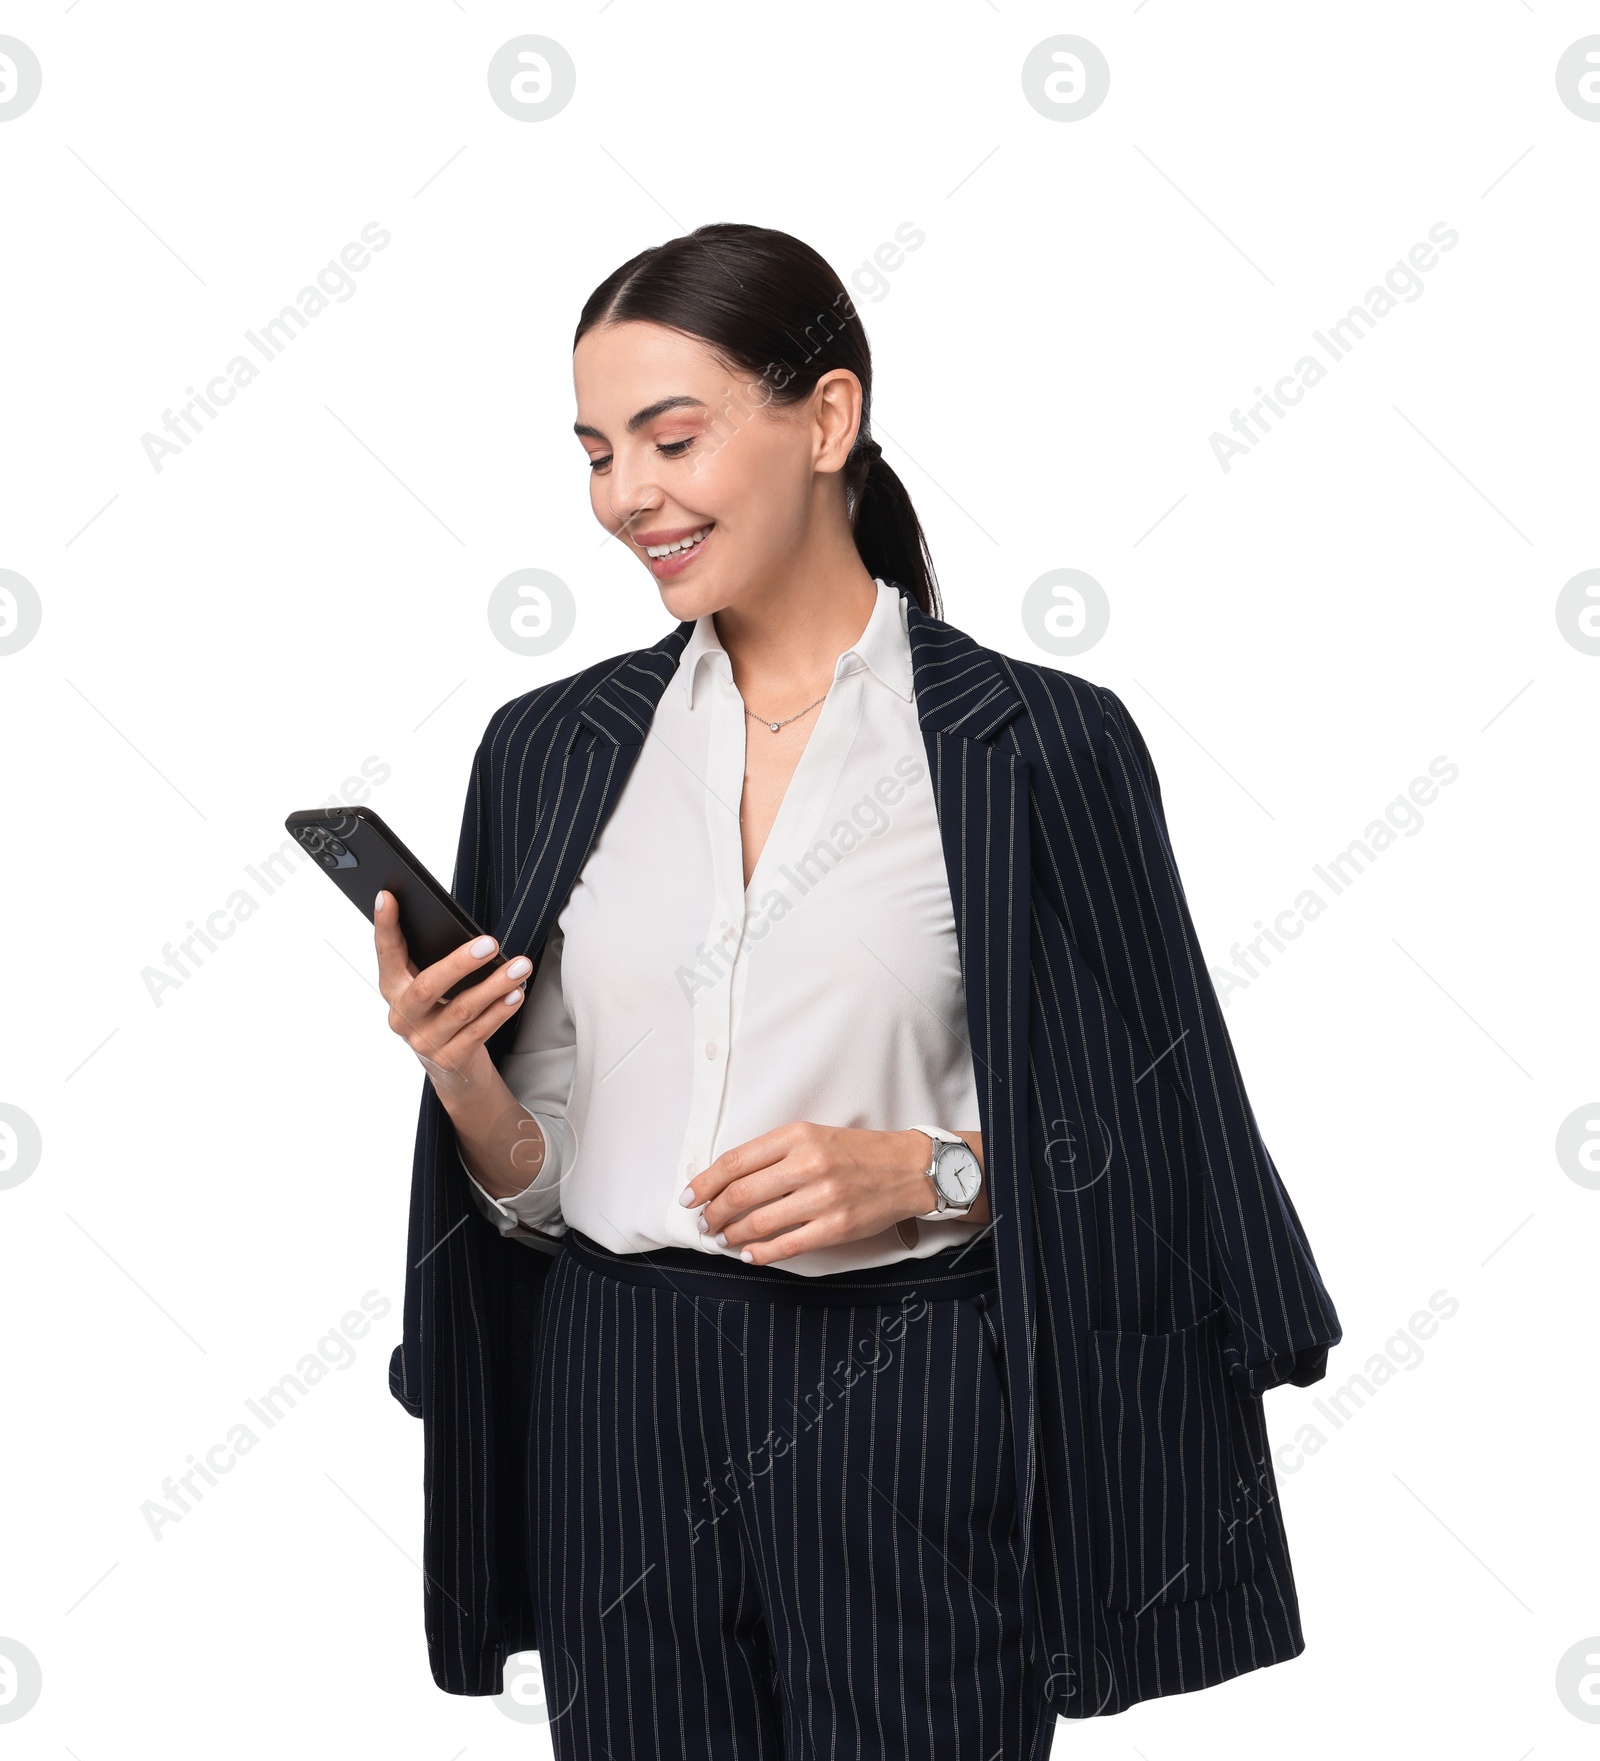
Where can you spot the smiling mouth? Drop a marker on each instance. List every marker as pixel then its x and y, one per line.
pixel 660 552
pixel 666 561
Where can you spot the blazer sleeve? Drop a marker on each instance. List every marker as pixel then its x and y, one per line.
pixel 1280 1318
pixel 475 884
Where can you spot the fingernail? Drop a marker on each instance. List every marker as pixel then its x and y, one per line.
pixel 722 1240
pixel 379 899
pixel 702 1224
pixel 686 1197
pixel 519 966
pixel 514 997
pixel 745 1254
pixel 483 945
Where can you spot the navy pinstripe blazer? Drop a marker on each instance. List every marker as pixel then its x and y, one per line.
pixel 1155 1280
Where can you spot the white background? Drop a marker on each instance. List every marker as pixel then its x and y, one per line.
pixel 224 1174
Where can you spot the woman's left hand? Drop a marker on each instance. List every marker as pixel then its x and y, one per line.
pixel 816 1186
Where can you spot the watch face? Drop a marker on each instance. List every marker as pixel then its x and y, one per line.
pixel 959 1173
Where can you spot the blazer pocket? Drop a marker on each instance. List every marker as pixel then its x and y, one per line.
pixel 1174 1515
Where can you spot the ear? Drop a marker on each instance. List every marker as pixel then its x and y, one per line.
pixel 837 404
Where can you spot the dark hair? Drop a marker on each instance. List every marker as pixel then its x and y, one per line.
pixel 772 307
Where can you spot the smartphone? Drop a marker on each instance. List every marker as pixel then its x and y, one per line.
pixel 362 857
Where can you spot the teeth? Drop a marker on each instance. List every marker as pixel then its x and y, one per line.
pixel 673 549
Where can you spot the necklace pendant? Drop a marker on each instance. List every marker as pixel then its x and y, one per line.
pixel 773 726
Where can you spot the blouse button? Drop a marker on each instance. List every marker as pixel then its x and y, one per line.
pixel 711 1048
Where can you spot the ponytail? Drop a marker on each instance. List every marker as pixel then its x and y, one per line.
pixel 888 534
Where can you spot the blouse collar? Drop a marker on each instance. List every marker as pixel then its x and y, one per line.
pixel 883 647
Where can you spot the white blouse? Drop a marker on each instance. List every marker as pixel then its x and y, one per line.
pixel 677 1012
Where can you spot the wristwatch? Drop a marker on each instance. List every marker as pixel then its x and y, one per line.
pixel 955 1174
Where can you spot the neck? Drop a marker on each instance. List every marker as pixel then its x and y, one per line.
pixel 784 637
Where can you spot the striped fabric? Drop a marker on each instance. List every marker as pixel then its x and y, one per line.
pixel 773 1528
pixel 1154 1278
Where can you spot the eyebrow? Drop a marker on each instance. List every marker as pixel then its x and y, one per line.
pixel 647 414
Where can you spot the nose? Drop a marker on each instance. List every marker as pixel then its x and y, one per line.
pixel 630 495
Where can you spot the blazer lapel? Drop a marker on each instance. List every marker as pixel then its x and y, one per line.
pixel 601 746
pixel 964 698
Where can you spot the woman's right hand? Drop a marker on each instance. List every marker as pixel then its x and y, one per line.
pixel 448 1037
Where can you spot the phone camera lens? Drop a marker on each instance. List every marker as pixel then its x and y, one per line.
pixel 329 860
pixel 336 847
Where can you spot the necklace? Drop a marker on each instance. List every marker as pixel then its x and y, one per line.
pixel 774 726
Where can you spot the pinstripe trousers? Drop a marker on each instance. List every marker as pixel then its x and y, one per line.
pixel 775 1513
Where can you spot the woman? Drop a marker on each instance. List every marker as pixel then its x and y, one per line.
pixel 767 1441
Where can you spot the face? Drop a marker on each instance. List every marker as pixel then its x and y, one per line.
pixel 684 451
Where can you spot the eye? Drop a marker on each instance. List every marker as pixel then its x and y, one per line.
pixel 671 449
